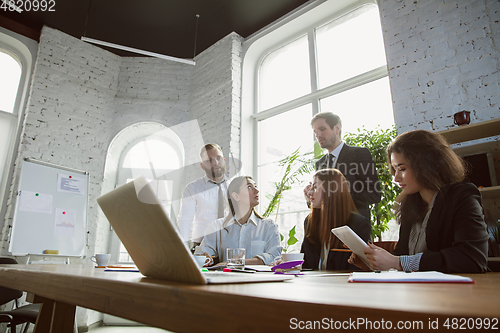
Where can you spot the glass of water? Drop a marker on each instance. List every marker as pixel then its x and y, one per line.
pixel 235 258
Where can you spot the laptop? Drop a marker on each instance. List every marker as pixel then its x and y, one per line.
pixel 154 243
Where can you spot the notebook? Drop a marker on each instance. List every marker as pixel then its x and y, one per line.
pixel 154 243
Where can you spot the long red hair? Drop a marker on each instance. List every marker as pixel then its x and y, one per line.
pixel 336 208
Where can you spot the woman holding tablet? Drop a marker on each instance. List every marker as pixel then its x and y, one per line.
pixel 441 217
pixel 243 228
pixel 332 207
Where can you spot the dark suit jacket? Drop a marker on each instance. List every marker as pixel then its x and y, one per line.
pixel 357 166
pixel 336 260
pixel 456 234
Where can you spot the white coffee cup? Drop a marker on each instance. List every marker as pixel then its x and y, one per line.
pixel 285 257
pixel 202 260
pixel 101 259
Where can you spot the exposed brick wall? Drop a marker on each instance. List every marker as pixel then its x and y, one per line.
pixel 443 57
pixel 151 89
pixel 69 113
pixel 216 95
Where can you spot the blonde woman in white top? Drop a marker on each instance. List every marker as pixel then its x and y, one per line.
pixel 243 228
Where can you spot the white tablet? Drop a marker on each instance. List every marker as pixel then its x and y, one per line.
pixel 352 241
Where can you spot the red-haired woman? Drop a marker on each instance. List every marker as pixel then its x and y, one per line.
pixel 332 207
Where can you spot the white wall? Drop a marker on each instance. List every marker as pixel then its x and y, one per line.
pixel 443 57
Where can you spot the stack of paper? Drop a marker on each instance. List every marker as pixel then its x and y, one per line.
pixel 404 277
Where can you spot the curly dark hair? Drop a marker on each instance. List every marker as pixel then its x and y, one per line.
pixel 433 163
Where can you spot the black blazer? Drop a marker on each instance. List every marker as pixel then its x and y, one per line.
pixel 456 234
pixel 357 166
pixel 336 260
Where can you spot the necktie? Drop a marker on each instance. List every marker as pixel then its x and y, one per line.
pixel 220 200
pixel 329 162
pixel 220 210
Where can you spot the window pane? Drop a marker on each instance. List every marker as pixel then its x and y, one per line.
pixel 10 74
pixel 368 105
pixel 284 74
pixel 349 46
pixel 159 153
pixel 279 137
pixel 7 129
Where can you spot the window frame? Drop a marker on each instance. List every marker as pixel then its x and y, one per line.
pixel 256 48
pixel 316 94
pixel 25 51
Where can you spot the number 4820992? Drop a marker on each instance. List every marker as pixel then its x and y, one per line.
pixel 471 323
pixel 28 5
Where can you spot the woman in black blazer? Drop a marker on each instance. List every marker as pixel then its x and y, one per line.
pixel 441 217
pixel 332 206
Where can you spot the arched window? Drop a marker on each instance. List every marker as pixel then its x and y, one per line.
pixel 150 150
pixel 330 60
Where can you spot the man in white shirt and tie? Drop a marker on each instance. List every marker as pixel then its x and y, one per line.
pixel 204 200
pixel 355 163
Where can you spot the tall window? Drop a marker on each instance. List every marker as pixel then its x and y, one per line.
pixel 10 75
pixel 337 66
pixel 9 81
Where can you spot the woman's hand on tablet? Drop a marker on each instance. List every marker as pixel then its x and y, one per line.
pixel 381 260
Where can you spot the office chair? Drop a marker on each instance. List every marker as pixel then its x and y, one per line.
pixel 21 315
pixel 389 246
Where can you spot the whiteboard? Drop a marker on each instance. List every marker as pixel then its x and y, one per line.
pixel 51 210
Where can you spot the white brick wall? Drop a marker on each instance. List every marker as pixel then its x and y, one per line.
pixel 151 89
pixel 216 95
pixel 69 111
pixel 443 57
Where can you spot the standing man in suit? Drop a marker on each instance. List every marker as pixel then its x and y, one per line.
pixel 204 200
pixel 355 163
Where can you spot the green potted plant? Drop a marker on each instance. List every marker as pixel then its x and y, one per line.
pixel 377 141
pixel 292 167
pixel 290 240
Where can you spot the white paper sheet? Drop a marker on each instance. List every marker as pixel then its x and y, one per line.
pixel 35 202
pixel 65 220
pixel 70 184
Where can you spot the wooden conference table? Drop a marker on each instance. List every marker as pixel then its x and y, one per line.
pixel 271 307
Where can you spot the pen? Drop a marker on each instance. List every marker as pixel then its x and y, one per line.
pixel 236 270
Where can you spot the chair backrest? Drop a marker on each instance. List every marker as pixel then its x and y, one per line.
pixel 389 246
pixel 7 294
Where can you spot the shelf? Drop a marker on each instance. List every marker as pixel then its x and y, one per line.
pixel 476 131
pixel 470 132
pixel 490 192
